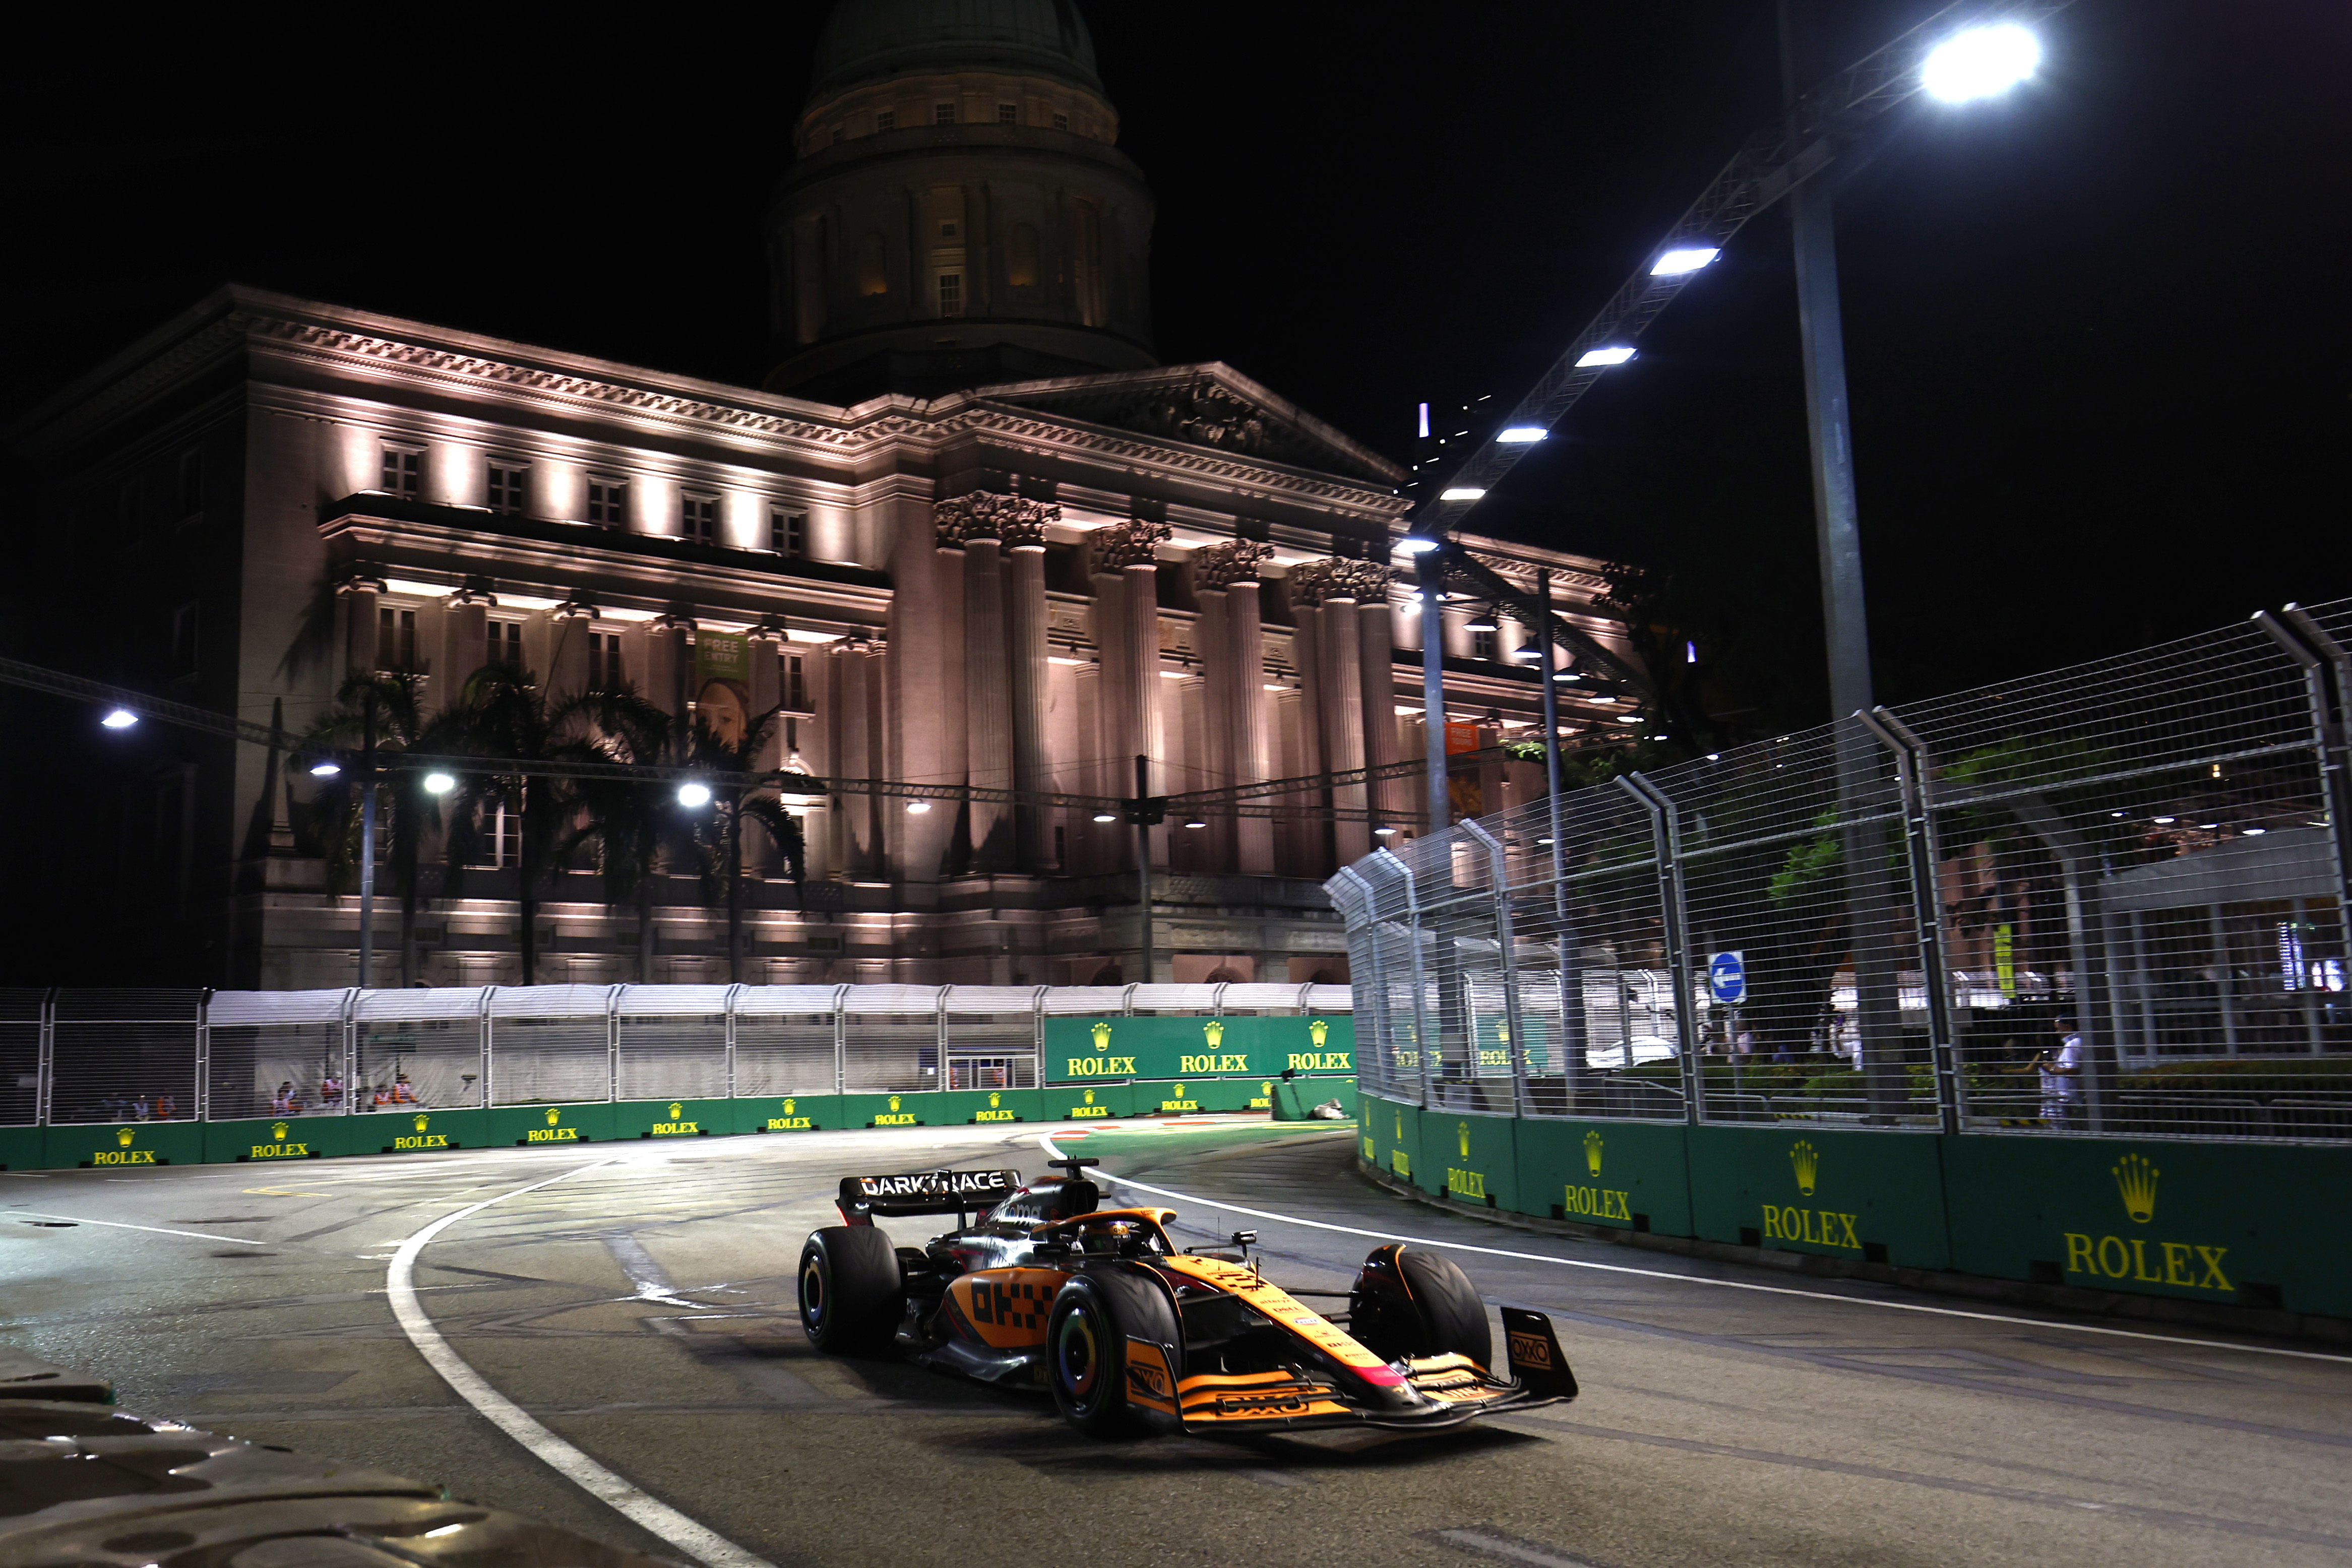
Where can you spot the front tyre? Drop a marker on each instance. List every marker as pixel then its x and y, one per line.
pixel 852 1293
pixel 1086 1350
pixel 1408 1304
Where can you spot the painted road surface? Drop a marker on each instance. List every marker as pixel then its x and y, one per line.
pixel 615 1349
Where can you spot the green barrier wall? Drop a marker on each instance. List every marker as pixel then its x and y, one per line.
pixel 1093 1101
pixel 527 1126
pixel 418 1132
pixel 1631 1175
pixel 269 1139
pixel 2254 1225
pixel 126 1143
pixel 1470 1158
pixel 1295 1099
pixel 1084 1049
pixel 789 1114
pixel 672 1118
pixel 23 1148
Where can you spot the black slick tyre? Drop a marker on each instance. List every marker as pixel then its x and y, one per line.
pixel 1411 1303
pixel 850 1291
pixel 1086 1350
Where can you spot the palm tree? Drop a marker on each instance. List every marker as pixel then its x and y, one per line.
pixel 625 820
pixel 719 836
pixel 395 725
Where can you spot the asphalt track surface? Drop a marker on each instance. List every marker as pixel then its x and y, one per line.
pixel 632 1306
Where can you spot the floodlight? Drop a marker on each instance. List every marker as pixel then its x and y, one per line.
pixel 438 783
pixel 1980 62
pixel 1482 621
pixel 1518 434
pixel 1194 822
pixel 1461 493
pixel 2164 821
pixel 693 795
pixel 1682 259
pixel 1382 831
pixel 917 808
pixel 1413 544
pixel 325 768
pixel 1106 816
pixel 119 719
pixel 2253 832
pixel 1594 357
pixel 1566 676
pixel 1629 719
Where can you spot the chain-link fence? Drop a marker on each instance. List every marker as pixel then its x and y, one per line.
pixel 2108 899
pixel 85 1057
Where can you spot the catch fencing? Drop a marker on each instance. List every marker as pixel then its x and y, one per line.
pixel 87 1058
pixel 2104 900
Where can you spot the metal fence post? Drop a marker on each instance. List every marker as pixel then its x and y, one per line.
pixel 347 1037
pixel 486 1046
pixel 44 1068
pixel 1421 1021
pixel 1367 897
pixel 840 1041
pixel 734 993
pixel 203 1058
pixel 1507 942
pixel 1921 853
pixel 1666 835
pixel 2326 664
pixel 940 1037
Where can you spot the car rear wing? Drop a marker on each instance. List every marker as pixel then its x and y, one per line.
pixel 923 1192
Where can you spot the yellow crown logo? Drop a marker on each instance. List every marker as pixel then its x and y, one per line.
pixel 278 1131
pixel 1090 1096
pixel 788 1107
pixel 1808 1162
pixel 1399 1127
pixel 995 1101
pixel 421 1120
pixel 123 1137
pixel 678 1110
pixel 894 1102
pixel 1502 1034
pixel 1180 1092
pixel 1593 1153
pixel 1265 1088
pixel 1318 1031
pixel 2136 1180
pixel 551 1115
pixel 1102 1035
pixel 1461 1137
pixel 1213 1031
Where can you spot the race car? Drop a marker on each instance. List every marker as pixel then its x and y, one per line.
pixel 1040 1284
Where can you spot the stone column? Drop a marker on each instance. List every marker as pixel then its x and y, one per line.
pixel 858 850
pixel 1129 550
pixel 1338 585
pixel 465 640
pixel 1215 757
pixel 359 595
pixel 1024 636
pixel 1389 796
pixel 1251 741
pixel 918 714
pixel 567 649
pixel 987 701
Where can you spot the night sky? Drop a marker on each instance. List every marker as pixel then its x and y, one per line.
pixel 2097 332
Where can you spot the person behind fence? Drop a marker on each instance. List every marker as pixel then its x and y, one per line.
pixel 285 1102
pixel 397 1092
pixel 2061 1073
pixel 166 1107
pixel 330 1090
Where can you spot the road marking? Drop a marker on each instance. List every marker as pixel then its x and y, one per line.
pixel 703 1544
pixel 1046 1142
pixel 1486 1543
pixel 158 1229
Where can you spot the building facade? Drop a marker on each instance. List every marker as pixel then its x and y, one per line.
pixel 971 534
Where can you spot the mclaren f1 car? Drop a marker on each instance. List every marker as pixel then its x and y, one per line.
pixel 1039 1283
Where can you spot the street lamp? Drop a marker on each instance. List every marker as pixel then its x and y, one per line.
pixel 1683 260
pixel 325 767
pixel 439 783
pixel 1596 358
pixel 1980 62
pixel 119 719
pixel 693 796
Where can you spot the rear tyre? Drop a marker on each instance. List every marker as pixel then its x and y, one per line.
pixel 1408 1304
pixel 1086 1350
pixel 852 1292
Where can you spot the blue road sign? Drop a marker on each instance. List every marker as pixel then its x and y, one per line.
pixel 1727 977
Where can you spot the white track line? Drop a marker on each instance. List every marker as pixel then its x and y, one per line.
pixel 158 1229
pixel 1046 1141
pixel 703 1544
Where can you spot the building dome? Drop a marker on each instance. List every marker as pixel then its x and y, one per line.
pixel 958 212
pixel 867 40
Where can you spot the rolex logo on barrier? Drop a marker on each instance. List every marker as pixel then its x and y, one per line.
pixel 553 1115
pixel 1807 1160
pixel 1213 1031
pixel 552 1134
pixel 894 1102
pixel 124 1137
pixel 1593 1153
pixel 122 1154
pixel 2136 1180
pixel 1090 1096
pixel 789 1121
pixel 422 1121
pixel 678 1110
pixel 421 1139
pixel 995 1101
pixel 1318 1032
pixel 1102 1032
pixel 1461 1137
pixel 895 1117
pixel 278 1131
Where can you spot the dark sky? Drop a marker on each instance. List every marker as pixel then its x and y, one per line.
pixel 2097 333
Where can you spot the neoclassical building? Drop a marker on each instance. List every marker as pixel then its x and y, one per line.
pixel 968 533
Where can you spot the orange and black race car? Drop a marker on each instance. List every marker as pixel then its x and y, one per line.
pixel 1039 1283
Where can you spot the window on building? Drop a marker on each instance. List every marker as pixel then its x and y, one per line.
pixel 1008 114
pixel 1482 645
pixel 795 684
pixel 403 472
pixel 947 231
pixel 497 841
pixel 506 488
pixel 886 119
pixel 191 484
pixel 395 639
pixel 698 518
pixel 608 503
pixel 943 114
pixel 184 638
pixel 506 642
pixel 1061 122
pixel 605 670
pixel 787 532
pixel 950 293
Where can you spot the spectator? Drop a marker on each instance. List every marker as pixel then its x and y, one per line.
pixel 139 1107
pixel 2061 1075
pixel 330 1090
pixel 166 1107
pixel 397 1092
pixel 285 1102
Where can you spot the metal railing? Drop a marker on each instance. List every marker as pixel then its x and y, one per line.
pixel 84 1057
pixel 2108 899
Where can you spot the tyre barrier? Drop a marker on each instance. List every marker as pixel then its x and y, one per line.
pixel 85 1485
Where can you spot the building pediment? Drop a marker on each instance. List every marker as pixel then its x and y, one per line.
pixel 1212 406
